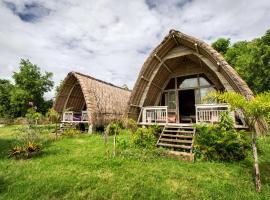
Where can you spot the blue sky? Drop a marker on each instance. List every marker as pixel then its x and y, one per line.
pixel 110 39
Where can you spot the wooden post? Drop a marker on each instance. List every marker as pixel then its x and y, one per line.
pixel 256 163
pixel 114 145
pixel 90 128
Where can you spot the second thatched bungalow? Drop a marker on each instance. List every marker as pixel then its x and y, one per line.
pixel 86 100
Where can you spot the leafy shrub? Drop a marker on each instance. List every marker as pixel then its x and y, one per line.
pixel 156 130
pixel 128 123
pixel 71 132
pixel 32 116
pixel 144 138
pixel 113 128
pixel 221 142
pixel 122 143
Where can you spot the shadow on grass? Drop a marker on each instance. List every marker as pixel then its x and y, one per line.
pixel 5 146
pixel 265 172
pixel 3 185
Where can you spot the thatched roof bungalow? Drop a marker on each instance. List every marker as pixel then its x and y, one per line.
pixel 83 98
pixel 176 76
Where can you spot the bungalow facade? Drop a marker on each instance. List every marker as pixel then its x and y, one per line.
pixel 83 99
pixel 172 84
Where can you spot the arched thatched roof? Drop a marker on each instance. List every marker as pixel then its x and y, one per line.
pixel 182 54
pixel 104 101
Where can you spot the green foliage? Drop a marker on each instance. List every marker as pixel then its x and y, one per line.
pixel 130 124
pixel 53 116
pixel 32 116
pixel 221 45
pixel 226 122
pixel 254 109
pixel 122 143
pixel 221 142
pixel 113 128
pixel 71 132
pixel 144 138
pixel 5 88
pixel 30 86
pixel 19 102
pixel 251 59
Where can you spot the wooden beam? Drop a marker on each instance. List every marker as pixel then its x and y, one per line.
pixel 156 85
pixel 159 59
pixel 176 41
pixel 197 50
pixel 142 77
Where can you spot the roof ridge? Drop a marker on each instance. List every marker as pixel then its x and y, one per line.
pixel 99 80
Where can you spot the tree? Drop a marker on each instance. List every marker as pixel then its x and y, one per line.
pixel 30 85
pixel 222 45
pixel 5 88
pixel 19 101
pixel 253 110
pixel 251 59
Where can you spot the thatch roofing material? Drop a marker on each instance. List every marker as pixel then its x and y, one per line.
pixel 177 45
pixel 104 101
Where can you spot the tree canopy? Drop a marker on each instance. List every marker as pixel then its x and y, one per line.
pixel 251 59
pixel 30 86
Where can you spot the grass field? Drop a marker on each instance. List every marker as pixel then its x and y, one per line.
pixel 81 168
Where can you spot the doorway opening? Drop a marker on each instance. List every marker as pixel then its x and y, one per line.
pixel 187 106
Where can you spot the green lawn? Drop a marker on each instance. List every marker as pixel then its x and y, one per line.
pixel 81 168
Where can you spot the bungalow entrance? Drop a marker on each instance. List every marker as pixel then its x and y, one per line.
pixel 182 102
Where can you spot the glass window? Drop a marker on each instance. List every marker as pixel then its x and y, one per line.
pixel 189 83
pixel 204 82
pixel 170 100
pixel 204 92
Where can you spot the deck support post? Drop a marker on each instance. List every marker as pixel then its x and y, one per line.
pixel 90 129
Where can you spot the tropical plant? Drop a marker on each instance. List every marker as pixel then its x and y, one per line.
pixel 253 110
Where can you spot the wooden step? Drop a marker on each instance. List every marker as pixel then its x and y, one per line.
pixel 178 131
pixel 174 145
pixel 178 136
pixel 174 126
pixel 175 140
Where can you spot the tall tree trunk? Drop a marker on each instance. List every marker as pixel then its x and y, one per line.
pixel 256 163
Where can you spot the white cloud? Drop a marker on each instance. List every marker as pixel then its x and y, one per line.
pixel 109 39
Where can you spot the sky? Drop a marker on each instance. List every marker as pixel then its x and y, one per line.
pixel 111 39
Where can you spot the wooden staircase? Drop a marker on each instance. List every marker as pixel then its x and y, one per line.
pixel 179 139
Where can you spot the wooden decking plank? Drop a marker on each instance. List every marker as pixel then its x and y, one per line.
pixel 174 145
pixel 178 136
pixel 175 140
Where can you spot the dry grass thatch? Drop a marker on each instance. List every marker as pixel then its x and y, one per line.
pixel 104 101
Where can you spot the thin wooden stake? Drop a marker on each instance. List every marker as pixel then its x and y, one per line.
pixel 256 163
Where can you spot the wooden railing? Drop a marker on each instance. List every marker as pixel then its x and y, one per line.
pixel 71 116
pixel 210 113
pixel 153 114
